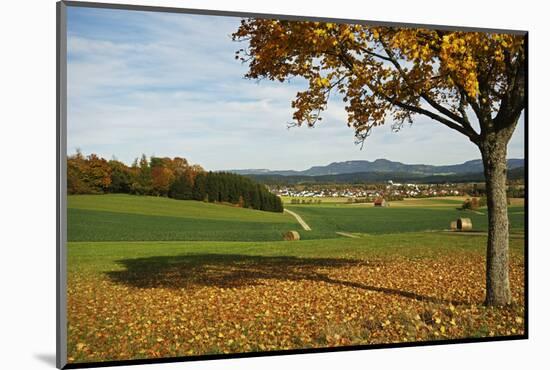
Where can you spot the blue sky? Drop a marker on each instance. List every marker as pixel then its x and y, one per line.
pixel 168 85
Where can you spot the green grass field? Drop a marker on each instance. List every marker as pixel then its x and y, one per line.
pixel 161 206
pixel 140 218
pixel 135 218
pixel 326 220
pixel 154 277
pixel 107 256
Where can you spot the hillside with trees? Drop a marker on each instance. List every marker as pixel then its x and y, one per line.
pixel 168 177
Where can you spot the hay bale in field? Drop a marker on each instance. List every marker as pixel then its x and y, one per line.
pixel 291 235
pixel 453 225
pixel 464 224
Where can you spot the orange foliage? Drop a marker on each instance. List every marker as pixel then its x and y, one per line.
pixel 383 71
pixel 242 305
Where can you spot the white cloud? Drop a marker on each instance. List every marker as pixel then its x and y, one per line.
pixel 169 85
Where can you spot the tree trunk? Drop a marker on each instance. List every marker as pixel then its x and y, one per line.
pixel 493 152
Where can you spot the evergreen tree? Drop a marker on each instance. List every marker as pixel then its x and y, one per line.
pixel 199 188
pixel 181 188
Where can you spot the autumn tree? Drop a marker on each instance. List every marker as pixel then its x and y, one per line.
pixel 162 175
pixel 76 183
pixel 179 165
pixel 471 82
pixel 90 174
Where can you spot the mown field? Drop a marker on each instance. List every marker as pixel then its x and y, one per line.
pixel 326 220
pixel 218 279
pixel 121 217
pixel 142 218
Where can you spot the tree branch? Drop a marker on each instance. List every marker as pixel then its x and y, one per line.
pixel 441 109
pixel 472 102
pixel 455 126
pixel 371 53
pixel 473 137
pixel 513 101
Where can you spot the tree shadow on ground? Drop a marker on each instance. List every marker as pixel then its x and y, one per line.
pixel 236 270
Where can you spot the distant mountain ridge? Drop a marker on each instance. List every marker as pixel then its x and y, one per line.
pixel 382 166
pixel 379 177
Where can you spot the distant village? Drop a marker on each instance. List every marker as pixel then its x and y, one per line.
pixel 389 191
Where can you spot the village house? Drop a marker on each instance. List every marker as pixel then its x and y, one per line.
pixel 380 202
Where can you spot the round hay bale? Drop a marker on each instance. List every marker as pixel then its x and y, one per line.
pixel 464 224
pixel 453 225
pixel 291 235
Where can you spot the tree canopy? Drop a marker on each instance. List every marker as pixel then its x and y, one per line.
pixel 388 71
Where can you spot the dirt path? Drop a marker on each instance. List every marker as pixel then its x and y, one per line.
pixel 299 219
pixel 347 235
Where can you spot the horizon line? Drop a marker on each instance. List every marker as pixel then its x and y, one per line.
pixel 114 157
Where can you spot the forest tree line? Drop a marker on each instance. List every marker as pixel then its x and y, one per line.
pixel 169 177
